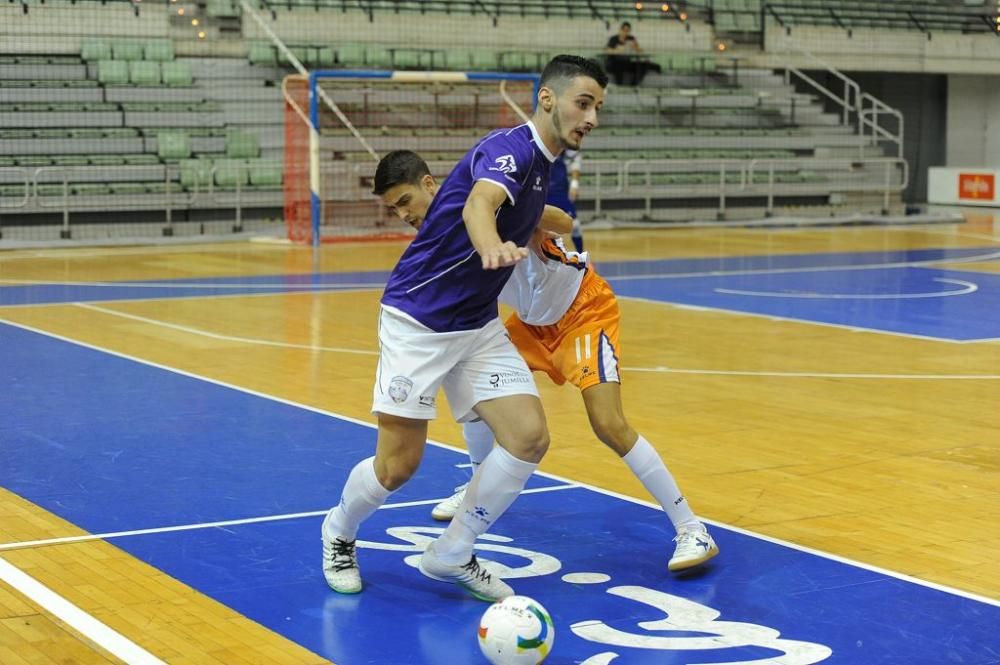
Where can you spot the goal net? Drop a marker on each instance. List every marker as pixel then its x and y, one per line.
pixel 339 122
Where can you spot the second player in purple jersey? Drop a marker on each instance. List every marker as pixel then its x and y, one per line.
pixel 515 160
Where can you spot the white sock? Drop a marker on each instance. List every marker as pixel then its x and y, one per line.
pixel 479 441
pixel 362 496
pixel 647 466
pixel 499 480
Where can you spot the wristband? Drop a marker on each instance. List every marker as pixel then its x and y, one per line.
pixel 574 184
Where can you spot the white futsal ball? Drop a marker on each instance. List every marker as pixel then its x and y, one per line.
pixel 516 631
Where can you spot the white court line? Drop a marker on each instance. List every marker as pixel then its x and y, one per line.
pixel 810 322
pixel 371 285
pixel 226 338
pixel 661 369
pixel 24 544
pixel 818 375
pixel 544 474
pixel 967 288
pixel 802 269
pixel 192 285
pixel 107 638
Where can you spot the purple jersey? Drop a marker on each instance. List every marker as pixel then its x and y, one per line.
pixel 439 280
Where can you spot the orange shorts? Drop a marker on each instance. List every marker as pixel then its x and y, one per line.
pixel 582 347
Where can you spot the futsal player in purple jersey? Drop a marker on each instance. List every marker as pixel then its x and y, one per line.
pixel 439 328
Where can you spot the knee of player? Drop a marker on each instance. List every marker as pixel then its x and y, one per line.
pixel 614 431
pixel 531 445
pixel 395 471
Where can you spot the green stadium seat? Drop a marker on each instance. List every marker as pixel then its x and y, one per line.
pixel 141 160
pixel 265 174
pixel 378 58
pixel 90 189
pixel 230 172
pixel 173 145
pixel 126 50
pixel 105 160
pixel 133 188
pixel 112 72
pixel 242 145
pixel 70 160
pixel 177 74
pixel 351 55
pixel 260 53
pixel 33 161
pixel 161 51
pixel 95 49
pixel 221 9
pixel 325 57
pixel 196 173
pixel 142 72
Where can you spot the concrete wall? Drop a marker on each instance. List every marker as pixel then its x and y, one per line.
pixel 53 29
pixel 883 50
pixel 443 31
pixel 973 128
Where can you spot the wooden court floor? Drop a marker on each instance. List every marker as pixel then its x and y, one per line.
pixel 798 431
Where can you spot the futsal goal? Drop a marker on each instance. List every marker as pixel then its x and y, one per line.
pixel 338 123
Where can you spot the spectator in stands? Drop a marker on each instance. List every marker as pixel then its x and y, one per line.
pixel 624 60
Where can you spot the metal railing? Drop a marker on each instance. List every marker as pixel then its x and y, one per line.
pixel 858 107
pixel 617 180
pixel 58 189
pixel 869 110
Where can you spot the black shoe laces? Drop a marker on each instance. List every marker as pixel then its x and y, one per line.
pixel 344 555
pixel 477 571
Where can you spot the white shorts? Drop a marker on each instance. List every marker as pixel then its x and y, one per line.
pixel 471 365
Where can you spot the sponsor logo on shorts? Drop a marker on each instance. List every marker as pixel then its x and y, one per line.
pixel 501 379
pixel 399 388
pixel 427 400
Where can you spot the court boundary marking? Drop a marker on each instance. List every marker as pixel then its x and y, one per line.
pixel 81 622
pixel 751 534
pixel 661 369
pixel 88 537
pixel 967 288
pixel 808 322
pixel 989 256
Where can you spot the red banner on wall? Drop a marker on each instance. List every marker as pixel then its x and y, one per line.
pixel 976 186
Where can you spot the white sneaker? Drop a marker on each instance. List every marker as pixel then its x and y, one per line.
pixel 340 565
pixel 695 546
pixel 445 510
pixel 472 577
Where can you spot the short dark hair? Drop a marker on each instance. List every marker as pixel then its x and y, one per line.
pixel 399 167
pixel 571 66
pixel 625 24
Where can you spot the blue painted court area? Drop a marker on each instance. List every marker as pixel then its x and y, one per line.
pixel 926 302
pixel 155 448
pixel 896 292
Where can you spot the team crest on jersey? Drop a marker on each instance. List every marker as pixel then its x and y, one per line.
pixel 399 388
pixel 538 184
pixel 505 164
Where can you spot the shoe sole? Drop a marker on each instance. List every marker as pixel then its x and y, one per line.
pixel 472 592
pixel 688 565
pixel 440 517
pixel 346 592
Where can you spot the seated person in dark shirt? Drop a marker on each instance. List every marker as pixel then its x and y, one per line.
pixel 622 64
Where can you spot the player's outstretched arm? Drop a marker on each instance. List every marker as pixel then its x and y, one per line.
pixel 479 214
pixel 555 220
